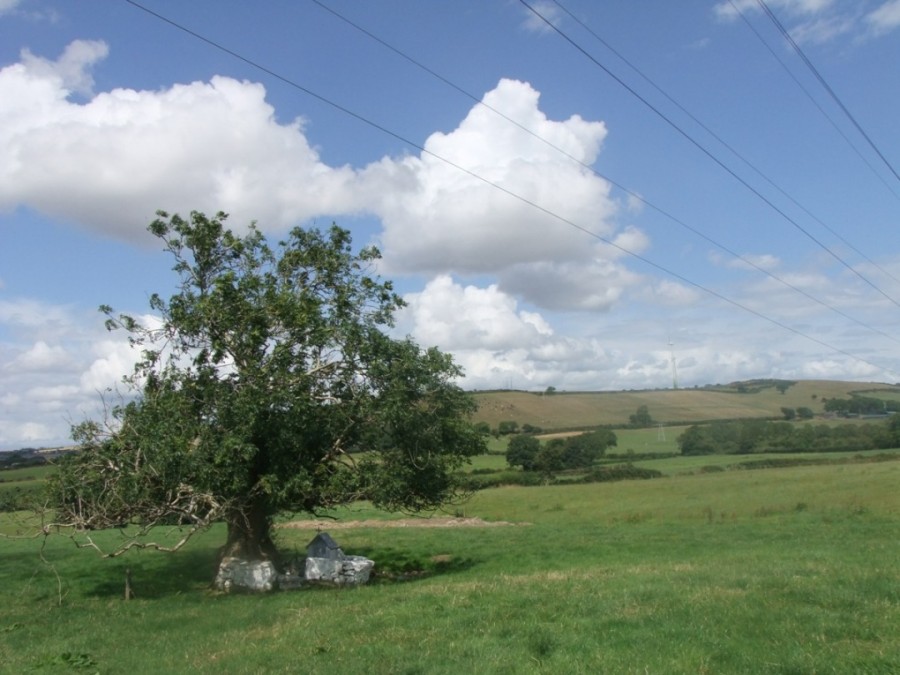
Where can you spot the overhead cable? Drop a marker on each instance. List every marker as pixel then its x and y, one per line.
pixel 580 162
pixel 497 186
pixel 732 149
pixel 812 99
pixel 709 154
pixel 827 87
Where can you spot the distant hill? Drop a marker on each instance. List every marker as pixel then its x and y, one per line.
pixel 15 459
pixel 739 400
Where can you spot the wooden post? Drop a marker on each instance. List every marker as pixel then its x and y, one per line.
pixel 129 593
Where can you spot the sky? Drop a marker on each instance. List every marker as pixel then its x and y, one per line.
pixel 580 195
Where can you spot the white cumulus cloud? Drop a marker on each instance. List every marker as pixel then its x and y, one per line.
pixel 72 69
pixel 439 218
pixel 110 162
pixel 42 357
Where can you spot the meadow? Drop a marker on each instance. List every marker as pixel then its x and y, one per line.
pixel 788 570
pixel 22 486
pixel 572 410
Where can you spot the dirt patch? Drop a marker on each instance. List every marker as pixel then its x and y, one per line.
pixel 402 522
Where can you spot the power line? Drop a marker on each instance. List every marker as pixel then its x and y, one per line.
pixel 731 148
pixel 497 186
pixel 706 152
pixel 826 86
pixel 586 166
pixel 813 100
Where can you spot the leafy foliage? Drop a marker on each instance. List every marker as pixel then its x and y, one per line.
pixel 583 450
pixel 805 413
pixel 508 427
pixel 270 384
pixel 750 436
pixel 523 451
pixel 607 474
pixel 861 405
pixel 641 418
pixel 575 452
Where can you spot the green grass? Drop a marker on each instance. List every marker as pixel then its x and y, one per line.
pixel 642 441
pixel 29 473
pixel 696 463
pixel 485 462
pixel 775 571
pixel 24 486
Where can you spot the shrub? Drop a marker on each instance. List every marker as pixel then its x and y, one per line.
pixel 508 427
pixel 605 474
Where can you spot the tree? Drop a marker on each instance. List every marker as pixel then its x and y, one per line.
pixel 574 452
pixel 269 385
pixel 551 457
pixel 508 427
pixel 641 418
pixel 805 413
pixel 581 451
pixel 522 450
pixel 483 428
pixel 894 430
pixel 789 413
pixel 696 440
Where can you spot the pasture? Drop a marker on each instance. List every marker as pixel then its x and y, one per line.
pixel 790 570
pixel 563 410
pixel 22 486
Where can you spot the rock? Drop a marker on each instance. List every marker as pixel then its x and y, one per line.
pixel 291 582
pixel 325 561
pixel 356 570
pixel 236 574
pixel 323 569
pixel 352 570
pixel 331 566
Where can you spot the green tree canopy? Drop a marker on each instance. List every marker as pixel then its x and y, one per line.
pixel 575 452
pixel 641 418
pixel 508 427
pixel 522 450
pixel 583 450
pixel 270 385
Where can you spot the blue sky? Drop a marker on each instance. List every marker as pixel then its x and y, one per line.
pixel 554 215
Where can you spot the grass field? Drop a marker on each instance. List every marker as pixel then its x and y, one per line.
pixel 570 410
pixel 22 486
pixel 771 571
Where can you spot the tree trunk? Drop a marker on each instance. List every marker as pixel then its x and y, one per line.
pixel 248 559
pixel 249 534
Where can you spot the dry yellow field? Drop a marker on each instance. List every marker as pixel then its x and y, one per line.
pixel 563 410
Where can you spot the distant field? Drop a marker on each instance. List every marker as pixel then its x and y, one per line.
pixel 19 487
pixel 29 473
pixel 563 410
pixel 655 439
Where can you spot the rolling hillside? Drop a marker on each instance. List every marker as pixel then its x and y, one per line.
pixel 563 410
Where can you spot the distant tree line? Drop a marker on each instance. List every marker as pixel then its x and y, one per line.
pixel 802 413
pixel 18 459
pixel 860 405
pixel 757 436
